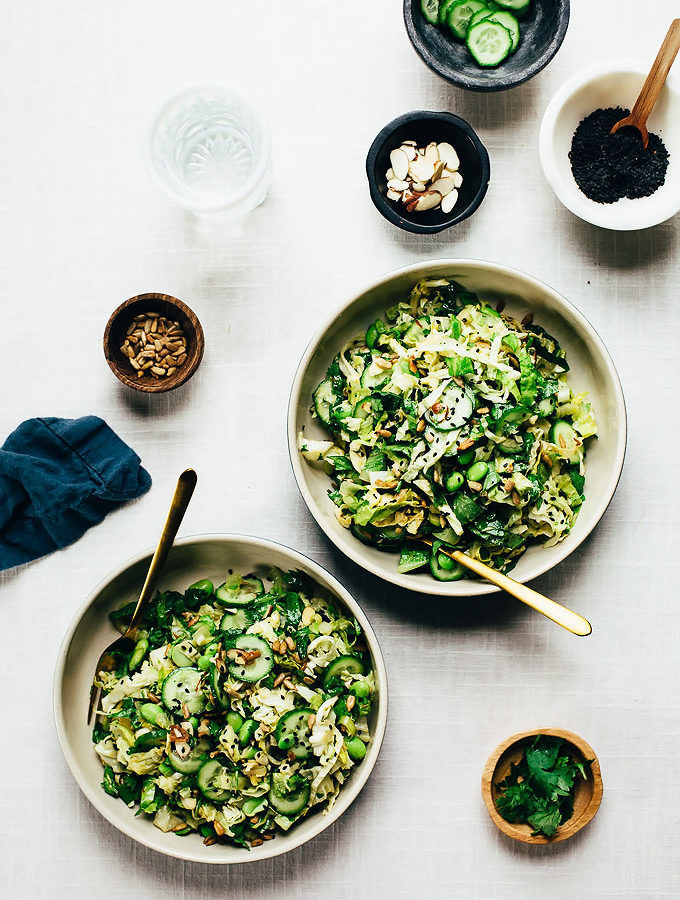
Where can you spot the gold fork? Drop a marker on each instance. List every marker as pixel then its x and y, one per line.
pixel 559 614
pixel 124 644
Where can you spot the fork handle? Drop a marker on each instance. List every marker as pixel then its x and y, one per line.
pixel 185 488
pixel 559 614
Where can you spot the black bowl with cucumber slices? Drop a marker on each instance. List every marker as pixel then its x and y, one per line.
pixel 486 45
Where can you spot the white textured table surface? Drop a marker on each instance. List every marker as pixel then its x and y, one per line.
pixel 82 228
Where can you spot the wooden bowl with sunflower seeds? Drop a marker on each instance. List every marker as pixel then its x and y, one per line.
pixel 153 343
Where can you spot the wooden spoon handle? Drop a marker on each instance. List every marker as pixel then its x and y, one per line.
pixel 657 75
pixel 560 614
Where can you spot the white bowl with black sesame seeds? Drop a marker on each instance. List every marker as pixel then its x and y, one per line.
pixel 601 88
pixel 521 296
pixel 191 560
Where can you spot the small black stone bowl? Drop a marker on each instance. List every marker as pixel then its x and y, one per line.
pixel 542 31
pixel 423 126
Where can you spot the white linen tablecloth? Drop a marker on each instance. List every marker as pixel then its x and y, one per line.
pixel 83 228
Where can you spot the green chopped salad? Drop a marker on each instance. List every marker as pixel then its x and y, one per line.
pixel 451 421
pixel 239 710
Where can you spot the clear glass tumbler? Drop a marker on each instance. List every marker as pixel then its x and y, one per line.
pixel 211 151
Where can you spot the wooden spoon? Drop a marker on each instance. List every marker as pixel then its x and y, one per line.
pixel 653 84
pixel 559 614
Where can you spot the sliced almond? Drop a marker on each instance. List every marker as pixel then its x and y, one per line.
pixel 409 144
pixel 443 185
pixel 393 195
pixel 431 153
pixel 396 185
pixel 399 162
pixel 421 169
pixel 438 170
pixel 389 174
pixel 449 201
pixel 409 149
pixel 449 156
pixel 428 200
pixel 418 186
pixel 457 179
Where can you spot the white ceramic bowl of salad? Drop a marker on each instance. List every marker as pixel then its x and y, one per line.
pixel 591 371
pixel 191 560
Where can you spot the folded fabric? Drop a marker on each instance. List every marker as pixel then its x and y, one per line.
pixel 58 477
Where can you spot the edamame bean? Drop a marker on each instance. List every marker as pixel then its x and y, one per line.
pixel 445 562
pixel 454 482
pixel 249 752
pixel 138 654
pixel 203 585
pixel 193 721
pixel 478 471
pixel 466 457
pixel 356 748
pixel 165 769
pixel 361 690
pixel 204 662
pixel 246 731
pixel 235 720
pixel 154 714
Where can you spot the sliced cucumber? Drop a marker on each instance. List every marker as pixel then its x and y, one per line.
pixel 564 437
pixel 183 685
pixel 292 732
pixel 430 10
pixel 324 398
pixel 546 407
pixel 444 568
pixel 209 776
pixel 444 8
pixel 345 663
pixel 519 7
pixel 489 43
pixel 189 765
pixel 371 380
pixel 507 20
pixel 459 15
pixel 454 408
pixel 479 15
pixel 184 653
pixel 239 591
pixel 368 407
pixel 233 620
pixel 260 667
pixel 289 803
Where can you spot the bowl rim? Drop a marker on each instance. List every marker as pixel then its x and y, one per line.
pixel 571 826
pixel 184 373
pixel 259 171
pixel 387 210
pixel 603 215
pixel 473 84
pixel 350 790
pixel 349 547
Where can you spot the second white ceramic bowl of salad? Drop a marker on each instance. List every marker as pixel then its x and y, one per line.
pixel 591 370
pixel 191 559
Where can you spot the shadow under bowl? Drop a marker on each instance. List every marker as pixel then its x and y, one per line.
pixel 542 30
pixel 423 127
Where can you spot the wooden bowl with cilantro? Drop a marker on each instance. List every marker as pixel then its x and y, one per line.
pixel 542 786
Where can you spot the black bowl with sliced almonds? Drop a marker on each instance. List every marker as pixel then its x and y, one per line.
pixel 421 132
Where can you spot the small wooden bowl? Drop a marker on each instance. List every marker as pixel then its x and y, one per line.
pixel 116 331
pixel 587 796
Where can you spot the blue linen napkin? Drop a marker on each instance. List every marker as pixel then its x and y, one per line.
pixel 58 477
